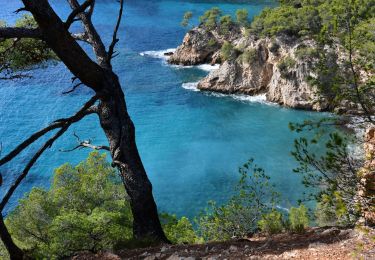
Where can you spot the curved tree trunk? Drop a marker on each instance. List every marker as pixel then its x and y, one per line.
pixel 14 251
pixel 120 131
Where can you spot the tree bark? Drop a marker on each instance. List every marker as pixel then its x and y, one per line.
pixel 14 251
pixel 112 112
pixel 120 132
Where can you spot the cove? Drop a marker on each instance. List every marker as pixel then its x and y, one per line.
pixel 191 142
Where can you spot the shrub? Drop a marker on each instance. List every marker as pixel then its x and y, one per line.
pixel 225 24
pixel 242 16
pixel 298 219
pixel 186 19
pixel 249 56
pixel 23 53
pixel 227 51
pixel 285 65
pixel 332 211
pixel 178 231
pixel 271 223
pixel 211 42
pixel 210 18
pixel 274 48
pixel 303 52
pixel 85 209
pixel 239 217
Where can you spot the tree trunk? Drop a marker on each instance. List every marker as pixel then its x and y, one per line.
pixel 14 251
pixel 120 132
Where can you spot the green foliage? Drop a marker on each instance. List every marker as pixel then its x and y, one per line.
pixel 332 211
pixel 23 53
pixel 211 42
pixel 274 48
pixel 285 66
pixel 309 17
pixel 242 16
pixel 85 209
pixel 333 171
pixel 304 52
pixel 3 252
pixel 210 19
pixel 239 217
pixel 298 219
pixel 225 24
pixel 249 56
pixel 186 19
pixel 272 223
pixel 179 231
pixel 227 51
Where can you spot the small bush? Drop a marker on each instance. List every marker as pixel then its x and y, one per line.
pixel 303 52
pixel 186 19
pixel 242 16
pixel 249 56
pixel 285 66
pixel 225 24
pixel 210 18
pixel 227 51
pixel 332 211
pixel 211 42
pixel 178 231
pixel 239 217
pixel 274 48
pixel 298 219
pixel 272 223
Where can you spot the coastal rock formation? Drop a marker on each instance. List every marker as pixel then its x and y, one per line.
pixel 260 66
pixel 201 46
pixel 367 190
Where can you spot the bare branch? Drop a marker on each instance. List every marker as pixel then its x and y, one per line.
pixel 93 36
pixel 86 144
pixel 114 37
pixel 73 89
pixel 30 164
pixel 60 123
pixel 19 32
pixel 81 8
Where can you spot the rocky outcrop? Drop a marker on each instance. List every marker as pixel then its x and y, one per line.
pixel 367 175
pixel 202 46
pixel 261 66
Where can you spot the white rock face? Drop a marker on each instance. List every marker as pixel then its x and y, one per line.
pixel 258 74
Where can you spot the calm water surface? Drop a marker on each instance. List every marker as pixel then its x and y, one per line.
pixel 191 143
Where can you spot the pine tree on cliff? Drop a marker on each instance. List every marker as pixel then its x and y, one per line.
pixel 108 103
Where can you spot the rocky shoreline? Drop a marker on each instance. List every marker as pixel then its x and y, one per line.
pixel 278 67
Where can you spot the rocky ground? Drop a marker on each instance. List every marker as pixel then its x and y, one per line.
pixel 316 243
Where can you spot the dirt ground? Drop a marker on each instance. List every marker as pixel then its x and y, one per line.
pixel 316 243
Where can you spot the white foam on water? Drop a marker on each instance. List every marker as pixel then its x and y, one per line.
pixel 193 86
pixel 161 55
pixel 208 67
pixel 158 54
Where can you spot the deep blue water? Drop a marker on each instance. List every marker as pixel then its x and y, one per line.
pixel 191 143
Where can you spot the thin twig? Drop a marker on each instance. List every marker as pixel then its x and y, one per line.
pixel 114 37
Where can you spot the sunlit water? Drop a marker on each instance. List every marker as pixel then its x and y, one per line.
pixel 191 143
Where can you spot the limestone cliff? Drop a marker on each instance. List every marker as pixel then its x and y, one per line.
pixel 367 188
pixel 259 66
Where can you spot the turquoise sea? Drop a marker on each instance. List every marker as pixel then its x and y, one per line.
pixel 191 143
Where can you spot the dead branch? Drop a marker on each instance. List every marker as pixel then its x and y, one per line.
pixel 73 89
pixel 93 36
pixel 30 164
pixel 81 8
pixel 114 37
pixel 60 123
pixel 86 144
